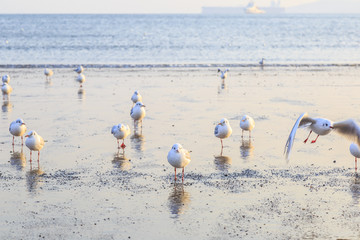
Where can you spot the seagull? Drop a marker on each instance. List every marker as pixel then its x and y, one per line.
pixel 48 73
pixel 6 88
pixel 178 157
pixel 223 130
pixel 81 79
pixel 247 123
pixel 79 69
pixel 136 97
pixel 262 62
pixel 17 128
pixel 322 126
pixel 120 131
pixel 138 112
pixel 223 74
pixel 6 79
pixel 34 142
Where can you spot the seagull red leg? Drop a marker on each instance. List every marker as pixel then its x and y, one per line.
pixel 13 141
pixel 355 164
pixel 123 146
pixel 314 141
pixel 183 175
pixel 175 174
pixel 307 137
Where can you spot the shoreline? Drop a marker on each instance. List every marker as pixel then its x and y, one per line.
pixel 183 65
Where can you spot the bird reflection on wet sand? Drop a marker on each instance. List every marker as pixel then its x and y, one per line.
pixel 178 200
pixel 7 106
pixel 246 148
pixel 222 163
pixel 34 178
pixel 48 83
pixel 138 141
pixel 18 159
pixel 81 93
pixel 355 188
pixel 223 87
pixel 121 161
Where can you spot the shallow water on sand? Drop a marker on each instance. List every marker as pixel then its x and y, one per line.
pixel 82 188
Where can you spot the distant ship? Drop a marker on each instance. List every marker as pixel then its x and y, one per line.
pixel 251 8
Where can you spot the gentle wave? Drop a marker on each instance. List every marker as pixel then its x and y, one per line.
pixel 197 65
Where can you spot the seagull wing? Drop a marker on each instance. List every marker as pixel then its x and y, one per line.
pixel 303 120
pixel 113 129
pixel 348 129
pixel 216 130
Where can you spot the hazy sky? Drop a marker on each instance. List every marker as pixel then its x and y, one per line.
pixel 132 6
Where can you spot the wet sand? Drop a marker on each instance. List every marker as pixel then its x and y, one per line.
pixel 84 189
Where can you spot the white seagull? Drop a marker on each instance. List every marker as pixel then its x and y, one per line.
pixel 6 88
pixel 178 157
pixel 17 128
pixel 138 112
pixel 355 151
pixel 247 123
pixel 322 126
pixel 120 131
pixel 34 142
pixel 79 69
pixel 6 79
pixel 136 97
pixel 223 74
pixel 223 130
pixel 81 79
pixel 48 73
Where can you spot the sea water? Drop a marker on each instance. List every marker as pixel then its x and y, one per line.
pixel 178 40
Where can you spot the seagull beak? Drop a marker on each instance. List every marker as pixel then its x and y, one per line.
pixel 26 135
pixel 219 124
pixel 177 150
pixel 23 124
pixel 331 127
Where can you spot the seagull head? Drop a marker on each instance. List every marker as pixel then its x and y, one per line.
pixel 139 104
pixel 223 122
pixel 176 147
pixel 31 133
pixel 20 121
pixel 245 118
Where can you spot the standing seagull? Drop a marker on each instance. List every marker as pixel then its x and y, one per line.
pixel 120 131
pixel 262 62
pixel 81 79
pixel 350 130
pixel 17 128
pixel 247 123
pixel 6 79
pixel 48 73
pixel 79 69
pixel 6 88
pixel 178 157
pixel 34 142
pixel 138 112
pixel 223 74
pixel 136 97
pixel 223 130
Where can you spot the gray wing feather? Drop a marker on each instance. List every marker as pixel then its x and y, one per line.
pixel 289 143
pixel 348 129
pixel 216 129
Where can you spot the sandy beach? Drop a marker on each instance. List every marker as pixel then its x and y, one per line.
pixel 83 189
